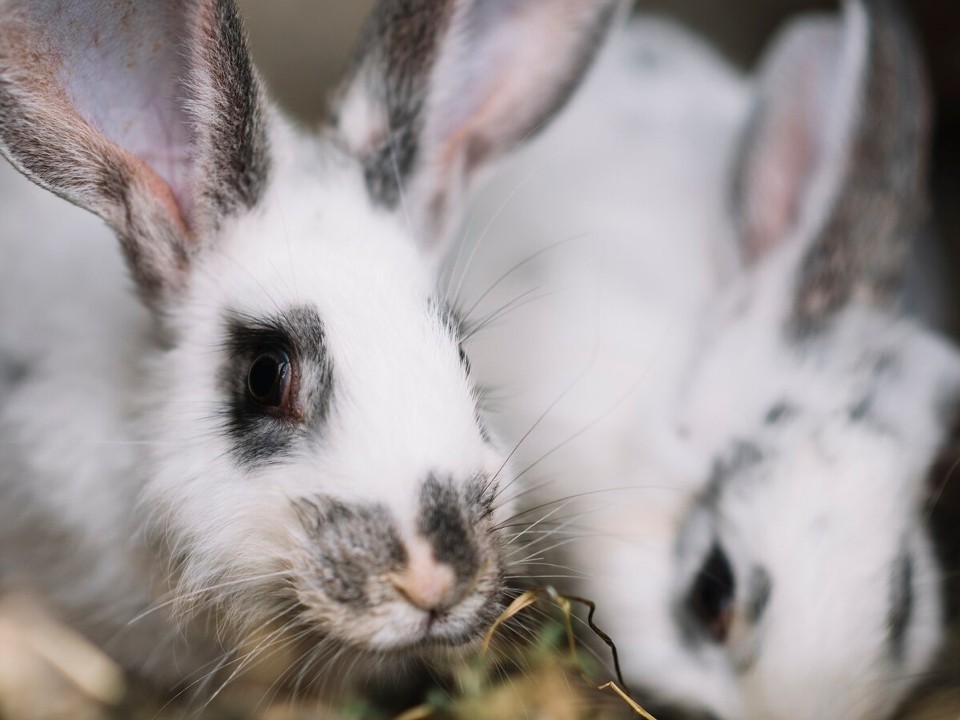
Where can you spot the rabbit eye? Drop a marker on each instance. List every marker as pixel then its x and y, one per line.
pixel 268 380
pixel 711 597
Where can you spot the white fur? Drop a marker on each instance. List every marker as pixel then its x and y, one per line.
pixel 122 501
pixel 618 292
pixel 630 181
pixel 388 433
pixel 139 444
pixel 660 354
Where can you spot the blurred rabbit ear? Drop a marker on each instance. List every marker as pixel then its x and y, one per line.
pixel 834 158
pixel 442 87
pixel 147 113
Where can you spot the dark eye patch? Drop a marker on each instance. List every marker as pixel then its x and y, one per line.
pixel 278 382
pixel 712 594
pixel 703 610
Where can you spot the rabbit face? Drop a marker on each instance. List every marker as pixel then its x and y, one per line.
pixel 802 579
pixel 313 450
pixel 810 612
pixel 327 426
pixel 804 570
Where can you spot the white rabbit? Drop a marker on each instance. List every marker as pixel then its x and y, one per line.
pixel 758 538
pixel 284 438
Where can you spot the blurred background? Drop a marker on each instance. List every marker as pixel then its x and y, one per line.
pixel 302 46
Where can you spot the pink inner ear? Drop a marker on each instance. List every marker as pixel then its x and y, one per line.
pixel 126 77
pixel 494 88
pixel 786 153
pixel 160 189
pixel 777 181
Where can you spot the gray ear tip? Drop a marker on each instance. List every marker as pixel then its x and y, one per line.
pixel 880 13
pixel 891 22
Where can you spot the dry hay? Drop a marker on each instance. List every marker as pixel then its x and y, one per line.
pixel 48 672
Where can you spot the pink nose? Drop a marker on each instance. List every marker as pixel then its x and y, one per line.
pixel 425 583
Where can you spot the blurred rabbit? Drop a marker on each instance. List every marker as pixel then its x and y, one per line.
pixel 741 411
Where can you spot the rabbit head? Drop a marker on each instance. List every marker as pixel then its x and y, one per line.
pixel 313 447
pixel 802 581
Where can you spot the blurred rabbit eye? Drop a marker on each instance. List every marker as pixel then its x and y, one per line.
pixel 712 594
pixel 268 380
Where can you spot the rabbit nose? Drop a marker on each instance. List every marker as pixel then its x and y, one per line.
pixel 425 583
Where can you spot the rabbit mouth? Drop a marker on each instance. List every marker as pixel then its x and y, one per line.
pixel 461 628
pixel 407 629
pixel 438 632
pixel 397 628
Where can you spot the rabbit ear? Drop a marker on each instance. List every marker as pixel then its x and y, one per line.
pixel 442 87
pixel 146 113
pixel 834 158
